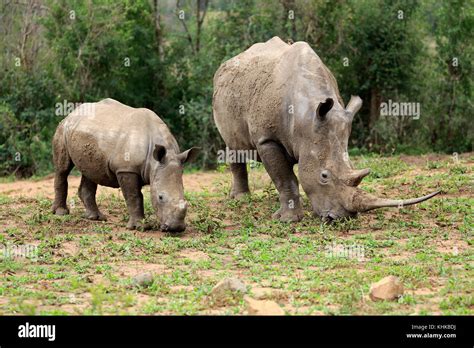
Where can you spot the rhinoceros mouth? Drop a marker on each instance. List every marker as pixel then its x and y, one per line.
pixel 330 217
pixel 173 228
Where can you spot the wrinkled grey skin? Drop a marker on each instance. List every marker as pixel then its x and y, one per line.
pixel 115 145
pixel 282 100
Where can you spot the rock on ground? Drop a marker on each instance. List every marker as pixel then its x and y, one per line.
pixel 143 279
pixel 228 290
pixel 388 288
pixel 263 307
pixel 260 293
pixel 228 286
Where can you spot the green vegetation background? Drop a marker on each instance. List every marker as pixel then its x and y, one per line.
pixel 163 54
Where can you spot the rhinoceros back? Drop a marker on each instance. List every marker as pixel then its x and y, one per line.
pixel 255 91
pixel 108 137
pixel 243 88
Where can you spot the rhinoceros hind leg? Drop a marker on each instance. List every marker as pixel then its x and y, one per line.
pixel 240 180
pixel 62 167
pixel 131 186
pixel 280 169
pixel 86 192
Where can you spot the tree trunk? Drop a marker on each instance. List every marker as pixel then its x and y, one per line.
pixel 158 30
pixel 289 5
pixel 374 114
pixel 201 7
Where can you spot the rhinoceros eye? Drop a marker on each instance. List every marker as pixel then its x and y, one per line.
pixel 324 177
pixel 161 198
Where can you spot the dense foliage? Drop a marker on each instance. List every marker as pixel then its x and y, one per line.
pixel 163 54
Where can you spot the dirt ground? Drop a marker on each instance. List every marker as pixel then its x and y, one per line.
pixel 88 267
pixel 45 186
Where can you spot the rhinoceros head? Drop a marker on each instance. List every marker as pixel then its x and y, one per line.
pixel 325 170
pixel 166 187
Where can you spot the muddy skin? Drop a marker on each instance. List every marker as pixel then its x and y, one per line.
pixel 282 101
pixel 114 145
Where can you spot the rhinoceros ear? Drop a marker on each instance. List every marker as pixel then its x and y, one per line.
pixel 354 105
pixel 189 155
pixel 324 108
pixel 159 153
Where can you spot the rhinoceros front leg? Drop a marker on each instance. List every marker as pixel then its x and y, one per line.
pixel 86 192
pixel 240 180
pixel 131 186
pixel 281 172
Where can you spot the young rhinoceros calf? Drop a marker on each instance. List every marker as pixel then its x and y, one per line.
pixel 115 145
pixel 284 102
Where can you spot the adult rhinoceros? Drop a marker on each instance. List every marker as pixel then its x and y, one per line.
pixel 281 100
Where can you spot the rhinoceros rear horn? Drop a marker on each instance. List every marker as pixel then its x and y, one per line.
pixel 355 176
pixel 324 108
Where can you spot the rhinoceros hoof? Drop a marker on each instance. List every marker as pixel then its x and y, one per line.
pixel 61 211
pixel 138 225
pixel 239 195
pixel 288 215
pixel 95 216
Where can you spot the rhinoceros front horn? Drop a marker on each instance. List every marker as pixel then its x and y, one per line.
pixel 363 201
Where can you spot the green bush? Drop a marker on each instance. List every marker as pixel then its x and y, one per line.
pixel 114 49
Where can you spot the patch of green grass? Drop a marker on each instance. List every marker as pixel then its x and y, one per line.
pixel 381 167
pixel 87 267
